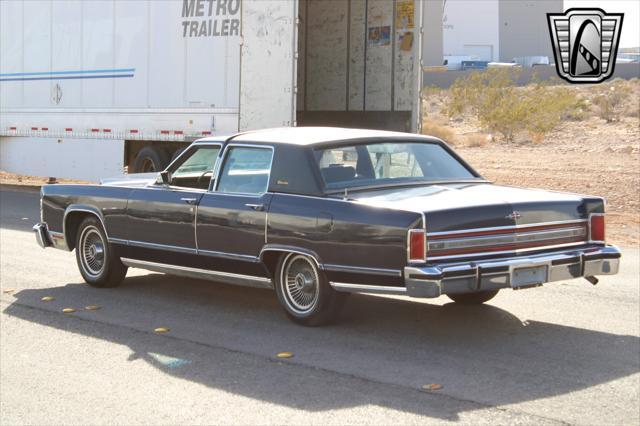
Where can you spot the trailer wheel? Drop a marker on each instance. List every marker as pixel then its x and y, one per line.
pixel 150 159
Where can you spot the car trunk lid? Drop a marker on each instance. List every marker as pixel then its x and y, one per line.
pixel 485 219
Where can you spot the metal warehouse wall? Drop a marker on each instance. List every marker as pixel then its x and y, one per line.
pixel 524 30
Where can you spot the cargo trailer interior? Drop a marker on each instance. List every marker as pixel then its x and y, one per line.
pixel 358 63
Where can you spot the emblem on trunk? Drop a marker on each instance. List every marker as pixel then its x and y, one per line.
pixel 585 43
pixel 513 216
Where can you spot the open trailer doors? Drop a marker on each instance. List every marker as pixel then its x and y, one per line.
pixel 359 63
pixel 268 64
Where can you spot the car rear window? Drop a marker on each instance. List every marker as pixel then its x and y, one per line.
pixel 377 164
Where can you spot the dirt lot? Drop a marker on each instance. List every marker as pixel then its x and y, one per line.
pixel 28 181
pixel 587 156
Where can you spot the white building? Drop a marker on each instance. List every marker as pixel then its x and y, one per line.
pixel 497 30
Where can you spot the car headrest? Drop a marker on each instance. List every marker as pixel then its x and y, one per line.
pixel 338 173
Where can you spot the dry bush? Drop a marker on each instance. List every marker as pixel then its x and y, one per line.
pixel 547 107
pixel 611 103
pixel 501 107
pixel 445 133
pixel 579 110
pixel 477 140
pixel 632 111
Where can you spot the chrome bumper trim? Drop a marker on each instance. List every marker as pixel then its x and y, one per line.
pixel 492 274
pixel 42 235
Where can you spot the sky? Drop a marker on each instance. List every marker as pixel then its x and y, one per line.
pixel 630 36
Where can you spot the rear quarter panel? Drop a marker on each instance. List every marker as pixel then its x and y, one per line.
pixel 343 233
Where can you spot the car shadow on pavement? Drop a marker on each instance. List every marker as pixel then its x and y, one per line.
pixel 479 353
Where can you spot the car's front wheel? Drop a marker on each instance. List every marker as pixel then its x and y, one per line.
pixel 473 298
pixel 98 264
pixel 304 292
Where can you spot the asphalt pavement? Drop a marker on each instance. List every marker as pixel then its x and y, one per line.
pixel 568 352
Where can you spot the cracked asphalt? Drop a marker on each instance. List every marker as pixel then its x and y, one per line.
pixel 568 352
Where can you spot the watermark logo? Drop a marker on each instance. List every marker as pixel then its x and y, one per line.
pixel 585 43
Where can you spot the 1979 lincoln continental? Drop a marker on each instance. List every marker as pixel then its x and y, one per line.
pixel 321 212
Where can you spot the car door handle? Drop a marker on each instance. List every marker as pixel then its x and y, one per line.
pixel 189 200
pixel 256 207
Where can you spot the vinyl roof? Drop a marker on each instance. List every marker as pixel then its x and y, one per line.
pixel 305 136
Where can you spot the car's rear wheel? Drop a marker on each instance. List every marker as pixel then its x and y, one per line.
pixel 98 264
pixel 473 298
pixel 303 291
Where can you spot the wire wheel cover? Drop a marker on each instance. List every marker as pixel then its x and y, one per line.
pixel 301 283
pixel 93 251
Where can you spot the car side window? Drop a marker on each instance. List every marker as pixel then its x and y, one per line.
pixel 246 170
pixel 196 169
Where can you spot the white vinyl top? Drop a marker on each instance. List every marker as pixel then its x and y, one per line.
pixel 312 135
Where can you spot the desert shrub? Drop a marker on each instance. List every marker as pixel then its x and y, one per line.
pixel 442 132
pixel 578 109
pixel 632 111
pixel 503 108
pixel 477 139
pixel 611 103
pixel 547 107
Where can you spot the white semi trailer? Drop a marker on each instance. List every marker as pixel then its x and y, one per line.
pixel 89 88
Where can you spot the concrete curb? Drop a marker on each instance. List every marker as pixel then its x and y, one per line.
pixel 15 187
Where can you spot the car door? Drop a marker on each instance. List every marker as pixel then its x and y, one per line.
pixel 231 221
pixel 161 217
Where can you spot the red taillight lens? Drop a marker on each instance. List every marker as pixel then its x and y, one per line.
pixel 596 228
pixel 417 245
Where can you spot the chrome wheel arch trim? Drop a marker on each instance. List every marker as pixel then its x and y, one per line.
pixel 290 249
pixel 72 208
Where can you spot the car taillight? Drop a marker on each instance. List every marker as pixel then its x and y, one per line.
pixel 596 228
pixel 417 245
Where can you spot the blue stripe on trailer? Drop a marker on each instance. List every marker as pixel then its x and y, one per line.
pixel 25 74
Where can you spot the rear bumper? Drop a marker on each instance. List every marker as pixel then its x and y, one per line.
pixel 515 272
pixel 42 235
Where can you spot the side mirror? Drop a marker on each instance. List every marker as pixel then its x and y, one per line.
pixel 165 177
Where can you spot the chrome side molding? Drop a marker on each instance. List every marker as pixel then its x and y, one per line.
pixel 202 274
pixel 366 288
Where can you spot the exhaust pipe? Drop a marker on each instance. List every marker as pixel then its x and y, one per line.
pixel 593 280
